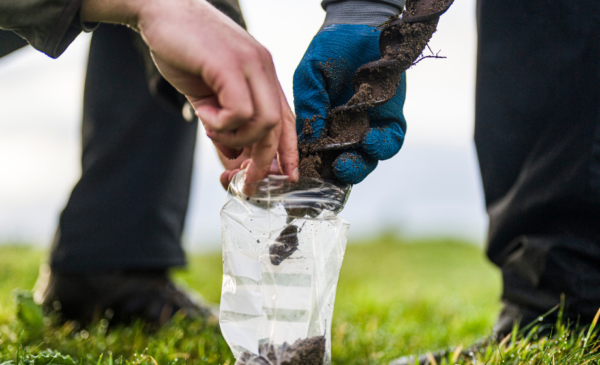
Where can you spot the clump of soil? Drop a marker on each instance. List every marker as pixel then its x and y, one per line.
pixel 400 44
pixel 285 245
pixel 310 166
pixel 364 93
pixel 310 351
pixel 348 126
pixel 308 130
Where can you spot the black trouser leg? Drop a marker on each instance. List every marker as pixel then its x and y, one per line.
pixel 128 209
pixel 538 141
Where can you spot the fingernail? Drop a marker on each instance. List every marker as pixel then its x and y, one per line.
pixel 274 168
pixel 296 174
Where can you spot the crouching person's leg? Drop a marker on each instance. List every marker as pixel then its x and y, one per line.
pixel 121 230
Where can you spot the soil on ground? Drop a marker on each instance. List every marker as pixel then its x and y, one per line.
pixel 310 351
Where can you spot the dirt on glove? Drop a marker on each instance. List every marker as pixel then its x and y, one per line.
pixel 375 83
pixel 310 351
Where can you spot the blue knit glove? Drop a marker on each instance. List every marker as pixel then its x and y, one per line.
pixel 323 81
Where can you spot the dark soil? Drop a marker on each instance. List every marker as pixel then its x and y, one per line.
pixel 308 130
pixel 310 166
pixel 374 83
pixel 348 126
pixel 310 351
pixel 285 245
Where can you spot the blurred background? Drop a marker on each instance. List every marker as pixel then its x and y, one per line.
pixel 430 189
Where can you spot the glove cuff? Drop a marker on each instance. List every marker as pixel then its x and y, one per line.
pixel 366 12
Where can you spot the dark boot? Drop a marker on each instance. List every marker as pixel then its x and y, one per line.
pixel 512 314
pixel 120 296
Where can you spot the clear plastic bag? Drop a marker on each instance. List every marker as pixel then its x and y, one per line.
pixel 282 253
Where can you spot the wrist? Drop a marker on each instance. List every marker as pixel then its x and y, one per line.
pixel 364 12
pixel 112 11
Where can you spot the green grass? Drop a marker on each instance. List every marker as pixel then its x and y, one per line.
pixel 394 298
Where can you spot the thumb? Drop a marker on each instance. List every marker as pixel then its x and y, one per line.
pixel 263 153
pixel 288 142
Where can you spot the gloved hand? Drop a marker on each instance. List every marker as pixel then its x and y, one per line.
pixel 323 81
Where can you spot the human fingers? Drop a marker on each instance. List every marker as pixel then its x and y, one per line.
pixel 230 107
pixel 265 89
pixel 244 136
pixel 274 168
pixel 225 179
pixel 263 153
pixel 177 33
pixel 354 166
pixel 287 151
pixel 234 164
pixel 191 85
pixel 227 176
pixel 228 152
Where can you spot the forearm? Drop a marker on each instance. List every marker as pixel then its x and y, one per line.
pixel 113 11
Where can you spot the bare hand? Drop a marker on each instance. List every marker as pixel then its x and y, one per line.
pixel 227 76
pixel 282 138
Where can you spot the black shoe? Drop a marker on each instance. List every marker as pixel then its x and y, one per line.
pixel 512 314
pixel 120 297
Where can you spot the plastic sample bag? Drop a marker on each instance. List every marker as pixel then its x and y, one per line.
pixel 282 253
